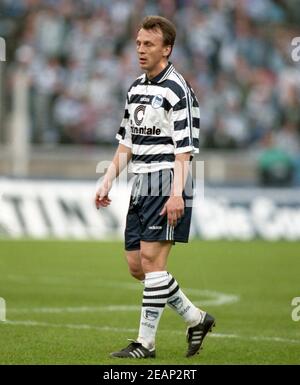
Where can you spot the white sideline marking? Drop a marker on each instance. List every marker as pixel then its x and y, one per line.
pixel 217 298
pixel 80 309
pixel 69 326
pixel 204 297
pixel 127 330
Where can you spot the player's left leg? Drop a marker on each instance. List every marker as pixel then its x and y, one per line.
pixel 199 323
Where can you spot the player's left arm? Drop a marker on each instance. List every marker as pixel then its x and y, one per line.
pixel 174 207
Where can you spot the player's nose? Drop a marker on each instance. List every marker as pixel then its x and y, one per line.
pixel 140 49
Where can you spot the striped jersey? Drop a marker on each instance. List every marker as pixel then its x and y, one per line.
pixel 161 119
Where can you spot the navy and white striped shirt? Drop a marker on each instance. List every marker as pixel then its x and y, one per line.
pixel 161 119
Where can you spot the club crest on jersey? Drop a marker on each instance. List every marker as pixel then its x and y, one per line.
pixel 157 101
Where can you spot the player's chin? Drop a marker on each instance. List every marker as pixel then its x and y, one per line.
pixel 143 65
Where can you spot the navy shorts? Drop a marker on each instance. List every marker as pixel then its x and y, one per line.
pixel 150 191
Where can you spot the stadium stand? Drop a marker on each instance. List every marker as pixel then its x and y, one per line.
pixel 79 58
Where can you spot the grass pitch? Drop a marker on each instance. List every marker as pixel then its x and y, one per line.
pixel 74 302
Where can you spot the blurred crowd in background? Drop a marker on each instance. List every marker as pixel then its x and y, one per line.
pixel 80 57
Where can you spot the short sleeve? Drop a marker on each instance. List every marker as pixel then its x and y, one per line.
pixel 124 133
pixel 186 124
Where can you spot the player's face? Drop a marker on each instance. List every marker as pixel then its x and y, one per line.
pixel 152 54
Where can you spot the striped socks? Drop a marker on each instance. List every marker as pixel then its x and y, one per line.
pixel 161 288
pixel 156 293
pixel 182 305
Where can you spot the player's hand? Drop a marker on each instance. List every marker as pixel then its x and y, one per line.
pixel 101 198
pixel 174 208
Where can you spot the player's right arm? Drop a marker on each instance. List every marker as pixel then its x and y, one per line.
pixel 120 160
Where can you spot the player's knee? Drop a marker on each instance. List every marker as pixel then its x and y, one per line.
pixel 136 272
pixel 146 256
pixel 147 261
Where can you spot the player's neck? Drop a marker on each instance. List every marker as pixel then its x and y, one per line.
pixel 157 70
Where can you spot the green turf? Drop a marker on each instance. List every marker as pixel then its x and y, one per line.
pixel 73 276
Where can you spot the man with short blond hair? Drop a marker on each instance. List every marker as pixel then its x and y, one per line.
pixel 159 135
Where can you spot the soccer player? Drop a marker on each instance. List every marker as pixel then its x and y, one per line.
pixel 158 134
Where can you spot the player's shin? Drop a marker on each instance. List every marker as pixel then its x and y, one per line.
pixel 155 296
pixel 182 305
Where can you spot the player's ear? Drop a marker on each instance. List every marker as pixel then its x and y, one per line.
pixel 167 50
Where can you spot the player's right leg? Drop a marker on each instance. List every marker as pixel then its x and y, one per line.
pixel 134 264
pixel 135 349
pixel 149 262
